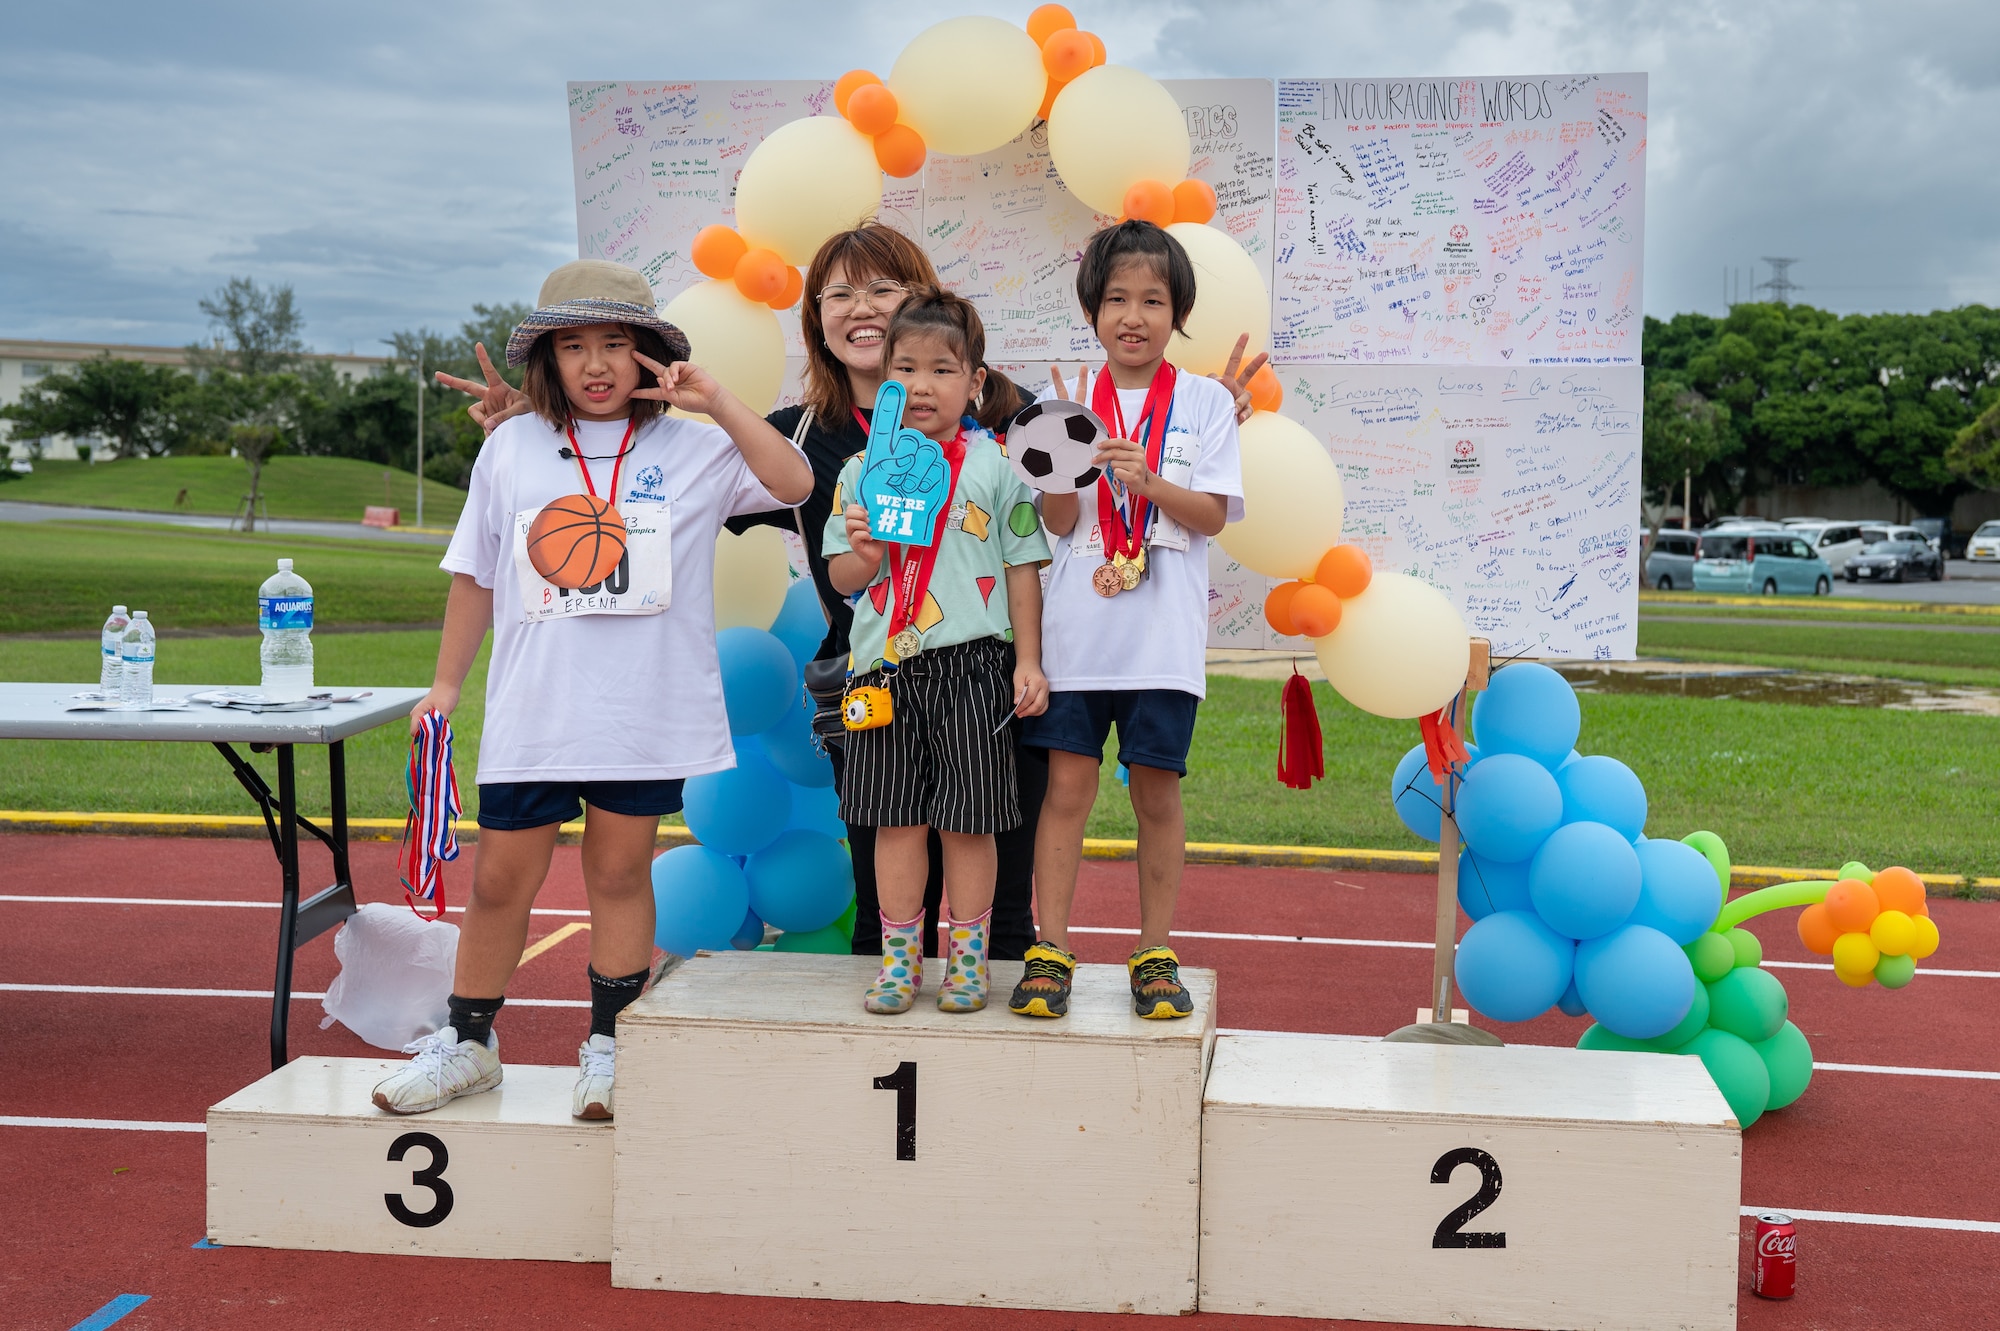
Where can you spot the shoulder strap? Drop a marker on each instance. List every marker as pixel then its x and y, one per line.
pixel 798 522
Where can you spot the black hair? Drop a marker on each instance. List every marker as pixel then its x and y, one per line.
pixel 1136 240
pixel 541 379
pixel 933 310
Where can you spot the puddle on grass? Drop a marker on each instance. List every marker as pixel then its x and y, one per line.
pixel 1696 679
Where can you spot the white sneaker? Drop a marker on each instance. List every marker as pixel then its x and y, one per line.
pixel 596 1061
pixel 445 1067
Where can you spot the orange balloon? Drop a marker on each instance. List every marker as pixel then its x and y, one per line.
pixel 1852 906
pixel 795 286
pixel 1049 99
pixel 900 151
pixel 872 109
pixel 1899 889
pixel 760 276
pixel 1067 54
pixel 1194 201
pixel 1315 610
pixel 1816 931
pixel 1047 21
pixel 716 251
pixel 1150 201
pixel 1278 608
pixel 1098 54
pixel 1266 393
pixel 844 86
pixel 1345 570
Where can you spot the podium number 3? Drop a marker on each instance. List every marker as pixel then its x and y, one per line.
pixel 430 1176
pixel 903 1081
pixel 1449 1235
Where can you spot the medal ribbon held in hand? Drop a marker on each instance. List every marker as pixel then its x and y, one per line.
pixel 910 567
pixel 430 832
pixel 1123 515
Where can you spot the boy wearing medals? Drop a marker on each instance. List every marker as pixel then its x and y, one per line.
pixel 1126 610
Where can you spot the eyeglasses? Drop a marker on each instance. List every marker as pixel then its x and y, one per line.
pixel 881 294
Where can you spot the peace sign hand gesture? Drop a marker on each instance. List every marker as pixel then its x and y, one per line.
pixel 682 384
pixel 497 399
pixel 1236 376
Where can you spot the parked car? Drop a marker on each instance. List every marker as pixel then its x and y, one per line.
pixel 1771 561
pixel 1906 555
pixel 1670 563
pixel 1943 539
pixel 1985 542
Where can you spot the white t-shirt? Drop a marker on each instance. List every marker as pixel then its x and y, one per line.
pixel 1155 636
pixel 605 697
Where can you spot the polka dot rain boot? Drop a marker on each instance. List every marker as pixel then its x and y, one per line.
pixel 964 988
pixel 902 973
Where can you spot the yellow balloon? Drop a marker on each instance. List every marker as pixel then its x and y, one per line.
pixel 1229 301
pixel 808 179
pixel 1112 128
pixel 969 85
pixel 1927 937
pixel 1893 933
pixel 733 338
pixel 1855 953
pixel 752 575
pixel 1291 499
pixel 1401 649
pixel 1855 979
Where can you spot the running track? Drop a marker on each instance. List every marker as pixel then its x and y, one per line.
pixel 94 1214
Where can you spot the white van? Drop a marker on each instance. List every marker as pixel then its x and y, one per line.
pixel 1835 542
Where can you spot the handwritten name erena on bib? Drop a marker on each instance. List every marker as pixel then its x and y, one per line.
pixel 642 584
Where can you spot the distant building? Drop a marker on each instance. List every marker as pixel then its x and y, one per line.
pixel 21 363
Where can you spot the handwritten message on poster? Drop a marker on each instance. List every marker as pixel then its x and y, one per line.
pixel 1460 221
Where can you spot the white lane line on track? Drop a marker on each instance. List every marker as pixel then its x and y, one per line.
pixel 198 901
pixel 113 1124
pixel 1895 1221
pixel 141 991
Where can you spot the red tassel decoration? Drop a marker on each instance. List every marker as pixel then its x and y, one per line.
pixel 1443 748
pixel 1301 753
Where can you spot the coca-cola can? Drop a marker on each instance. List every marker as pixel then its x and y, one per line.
pixel 1775 1272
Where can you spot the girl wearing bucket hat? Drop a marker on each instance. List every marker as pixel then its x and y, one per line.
pixel 606 694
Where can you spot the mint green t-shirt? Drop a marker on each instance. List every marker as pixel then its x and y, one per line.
pixel 993 526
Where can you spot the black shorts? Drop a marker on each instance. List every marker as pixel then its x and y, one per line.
pixel 945 760
pixel 1155 726
pixel 514 806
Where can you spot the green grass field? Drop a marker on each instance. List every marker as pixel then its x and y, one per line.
pixel 329 489
pixel 1939 656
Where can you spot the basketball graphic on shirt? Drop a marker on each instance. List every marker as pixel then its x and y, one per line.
pixel 1050 446
pixel 576 541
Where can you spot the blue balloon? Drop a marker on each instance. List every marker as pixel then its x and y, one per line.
pixel 801 624
pixel 759 678
pixel 1485 886
pixel 1584 880
pixel 790 747
pixel 1512 967
pixel 817 809
pixel 801 882
pixel 699 897
pixel 749 935
pixel 738 812
pixel 1602 790
pixel 1507 807
pixel 1571 1002
pixel 1636 981
pixel 1418 800
pixel 1678 892
pixel 1528 709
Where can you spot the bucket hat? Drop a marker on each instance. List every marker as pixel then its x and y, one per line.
pixel 593 291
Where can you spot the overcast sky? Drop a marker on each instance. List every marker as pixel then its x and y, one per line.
pixel 396 163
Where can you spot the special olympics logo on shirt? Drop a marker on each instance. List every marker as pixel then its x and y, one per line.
pixel 647 484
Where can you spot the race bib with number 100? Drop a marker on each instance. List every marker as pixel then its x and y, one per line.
pixel 642 584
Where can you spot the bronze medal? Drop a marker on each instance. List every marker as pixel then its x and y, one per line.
pixel 908 643
pixel 1107 581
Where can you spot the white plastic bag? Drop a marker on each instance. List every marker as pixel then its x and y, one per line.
pixel 395 975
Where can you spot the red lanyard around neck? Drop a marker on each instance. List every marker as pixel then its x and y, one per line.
pixel 910 574
pixel 1124 524
pixel 583 470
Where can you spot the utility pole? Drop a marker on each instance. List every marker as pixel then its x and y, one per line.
pixel 420 434
pixel 1781 285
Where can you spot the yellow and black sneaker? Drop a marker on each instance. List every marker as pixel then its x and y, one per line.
pixel 1045 980
pixel 1157 991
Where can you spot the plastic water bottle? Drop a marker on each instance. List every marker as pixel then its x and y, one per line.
pixel 111 671
pixel 285 613
pixel 135 651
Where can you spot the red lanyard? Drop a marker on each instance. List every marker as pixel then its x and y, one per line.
pixel 911 574
pixel 1125 530
pixel 624 446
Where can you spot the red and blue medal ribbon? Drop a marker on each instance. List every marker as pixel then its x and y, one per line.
pixel 1122 515
pixel 430 833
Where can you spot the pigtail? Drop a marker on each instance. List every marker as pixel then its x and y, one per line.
pixel 999 403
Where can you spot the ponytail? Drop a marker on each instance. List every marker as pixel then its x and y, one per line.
pixel 999 404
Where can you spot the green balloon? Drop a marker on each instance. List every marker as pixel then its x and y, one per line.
pixel 1788 1058
pixel 1895 972
pixel 1686 1029
pixel 832 940
pixel 1856 869
pixel 1599 1038
pixel 846 921
pixel 1711 848
pixel 1736 1070
pixel 1749 951
pixel 1748 1003
pixel 1712 957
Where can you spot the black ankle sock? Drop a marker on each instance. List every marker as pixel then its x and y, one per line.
pixel 609 997
pixel 472 1018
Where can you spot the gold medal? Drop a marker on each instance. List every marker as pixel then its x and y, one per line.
pixel 908 643
pixel 1129 573
pixel 1107 581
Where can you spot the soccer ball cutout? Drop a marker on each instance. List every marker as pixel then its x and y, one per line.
pixel 1050 446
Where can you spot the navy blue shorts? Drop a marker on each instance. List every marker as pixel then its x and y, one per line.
pixel 514 806
pixel 1155 726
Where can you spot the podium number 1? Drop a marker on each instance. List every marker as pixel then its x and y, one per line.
pixel 430 1176
pixel 903 1081
pixel 1449 1234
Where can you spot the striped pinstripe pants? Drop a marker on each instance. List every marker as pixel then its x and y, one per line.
pixel 939 761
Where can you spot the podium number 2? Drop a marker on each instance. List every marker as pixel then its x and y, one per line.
pixel 430 1176
pixel 1449 1235
pixel 903 1081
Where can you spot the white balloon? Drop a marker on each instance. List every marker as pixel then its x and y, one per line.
pixel 1112 128
pixel 1292 499
pixel 1229 301
pixel 1401 649
pixel 752 575
pixel 807 180
pixel 733 338
pixel 969 85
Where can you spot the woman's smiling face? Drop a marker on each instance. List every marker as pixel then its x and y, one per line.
pixel 854 333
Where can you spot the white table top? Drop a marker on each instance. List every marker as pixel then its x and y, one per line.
pixel 35 711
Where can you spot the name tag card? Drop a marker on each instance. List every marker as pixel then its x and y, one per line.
pixel 642 584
